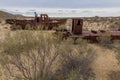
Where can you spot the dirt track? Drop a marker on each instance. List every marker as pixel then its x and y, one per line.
pixel 105 62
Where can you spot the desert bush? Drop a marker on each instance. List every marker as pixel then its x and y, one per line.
pixel 31 55
pixel 114 25
pixel 75 62
pixel 73 75
pixel 105 40
pixel 15 27
pixel 28 56
pixel 39 27
pixel 61 27
pixel 114 75
pixel 117 48
pixel 28 27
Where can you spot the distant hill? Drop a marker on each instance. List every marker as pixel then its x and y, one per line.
pixel 6 15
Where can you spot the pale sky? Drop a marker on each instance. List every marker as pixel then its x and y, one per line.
pixel 62 7
pixel 60 3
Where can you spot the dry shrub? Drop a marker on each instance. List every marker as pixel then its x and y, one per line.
pixel 39 27
pixel 114 75
pixel 28 27
pixel 28 55
pixel 105 40
pixel 75 62
pixel 31 55
pixel 117 48
pixel 15 27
